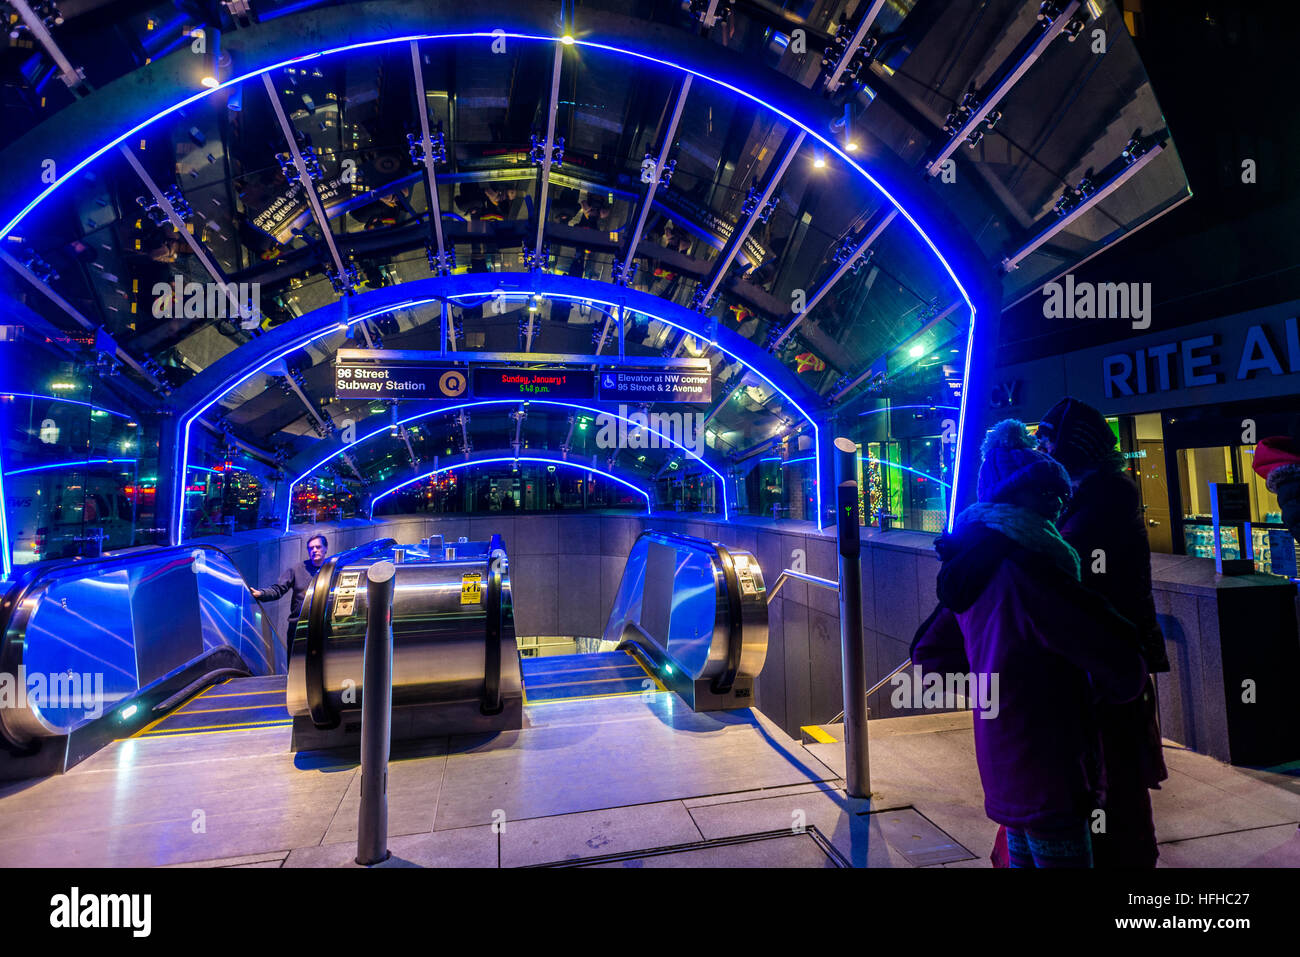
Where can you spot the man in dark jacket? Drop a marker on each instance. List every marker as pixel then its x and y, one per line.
pixel 1011 606
pixel 1104 523
pixel 297 578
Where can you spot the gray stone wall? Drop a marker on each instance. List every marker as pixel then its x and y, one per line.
pixel 565 571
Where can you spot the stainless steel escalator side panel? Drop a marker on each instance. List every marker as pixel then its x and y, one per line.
pixel 87 636
pixel 675 595
pixel 438 638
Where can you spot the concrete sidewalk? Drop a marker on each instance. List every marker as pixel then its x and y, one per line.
pixel 636 781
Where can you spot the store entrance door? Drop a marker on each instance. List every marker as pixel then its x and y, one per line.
pixel 1155 495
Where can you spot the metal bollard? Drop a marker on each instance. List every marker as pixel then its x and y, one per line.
pixel 376 715
pixel 857 771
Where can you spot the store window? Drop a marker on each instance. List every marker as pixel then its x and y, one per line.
pixel 1197 469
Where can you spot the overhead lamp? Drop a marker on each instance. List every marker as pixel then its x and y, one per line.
pixel 567 40
pixel 916 351
pixel 819 161
pixel 216 63
pixel 851 146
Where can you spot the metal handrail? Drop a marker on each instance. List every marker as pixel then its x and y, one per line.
pixel 803 577
pixel 876 687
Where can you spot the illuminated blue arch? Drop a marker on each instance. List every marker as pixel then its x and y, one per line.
pixel 428 413
pixel 471 462
pixel 195 397
pixel 776 89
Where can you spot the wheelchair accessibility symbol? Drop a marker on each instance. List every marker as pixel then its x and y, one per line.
pixel 452 384
pixel 609 382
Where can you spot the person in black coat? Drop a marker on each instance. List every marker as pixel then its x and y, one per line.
pixel 1104 523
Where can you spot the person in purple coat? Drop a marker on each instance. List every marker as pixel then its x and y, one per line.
pixel 1013 615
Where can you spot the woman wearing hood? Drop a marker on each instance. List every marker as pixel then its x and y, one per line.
pixel 1104 523
pixel 1011 604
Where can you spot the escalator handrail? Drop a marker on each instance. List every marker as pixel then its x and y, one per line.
pixel 492 662
pixel 723 682
pixel 318 597
pixel 33 575
pixel 678 538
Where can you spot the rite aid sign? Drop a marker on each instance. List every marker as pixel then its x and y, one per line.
pixel 1204 360
pixel 1245 356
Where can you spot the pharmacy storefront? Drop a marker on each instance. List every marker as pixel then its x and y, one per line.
pixel 1189 405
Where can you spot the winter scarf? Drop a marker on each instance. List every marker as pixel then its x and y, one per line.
pixel 1028 529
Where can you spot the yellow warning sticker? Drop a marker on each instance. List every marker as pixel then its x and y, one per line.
pixel 471 588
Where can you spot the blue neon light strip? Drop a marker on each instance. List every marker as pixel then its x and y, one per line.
pixel 806 458
pixel 895 408
pixel 522 458
pixel 6 561
pixel 178 517
pixel 726 516
pixel 59 398
pixel 735 358
pixel 79 463
pixel 904 468
pixel 827 143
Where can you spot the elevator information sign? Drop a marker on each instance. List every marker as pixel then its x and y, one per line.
pixel 491 383
pixel 411 381
pixel 655 385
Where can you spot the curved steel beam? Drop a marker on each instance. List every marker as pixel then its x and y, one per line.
pixel 426 410
pixel 507 455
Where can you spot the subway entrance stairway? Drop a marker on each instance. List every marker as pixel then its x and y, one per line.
pixel 631 756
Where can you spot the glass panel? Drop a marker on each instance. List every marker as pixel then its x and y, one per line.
pixel 1197 468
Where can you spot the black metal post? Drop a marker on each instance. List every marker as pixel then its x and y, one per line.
pixel 857 771
pixel 376 715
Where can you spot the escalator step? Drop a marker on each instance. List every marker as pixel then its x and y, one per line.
pixel 590 689
pixel 629 670
pixel 601 659
pixel 232 700
pixel 219 718
pixel 563 677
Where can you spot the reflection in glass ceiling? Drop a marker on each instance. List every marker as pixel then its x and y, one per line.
pixel 426 158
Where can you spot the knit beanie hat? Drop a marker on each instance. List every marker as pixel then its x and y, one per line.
pixel 1276 456
pixel 1083 438
pixel 1011 464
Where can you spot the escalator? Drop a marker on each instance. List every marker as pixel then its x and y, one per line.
pixel 169 642
pixel 455 663
pixel 104 647
pixel 696 612
pixel 690 616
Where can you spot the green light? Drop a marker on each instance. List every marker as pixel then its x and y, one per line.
pixel 916 352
